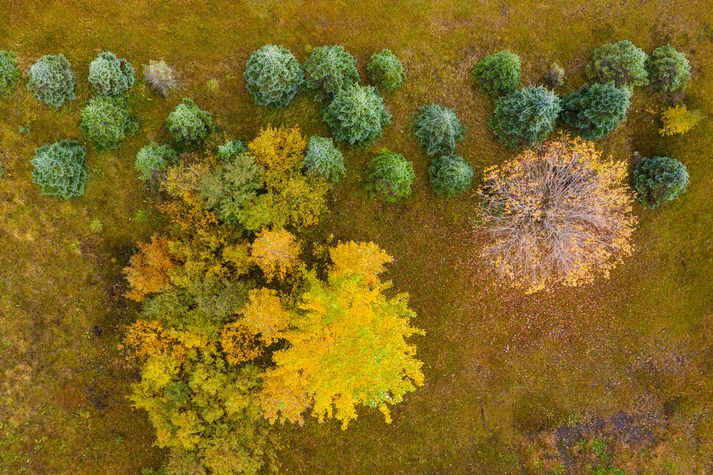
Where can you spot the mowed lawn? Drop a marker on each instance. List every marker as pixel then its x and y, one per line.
pixel 514 383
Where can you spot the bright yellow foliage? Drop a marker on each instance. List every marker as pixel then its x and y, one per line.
pixel 679 120
pixel 275 252
pixel 365 258
pixel 347 346
pixel 278 149
pixel 239 343
pixel 558 213
pixel 265 316
pixel 148 269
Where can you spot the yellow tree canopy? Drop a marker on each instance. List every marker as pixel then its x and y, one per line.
pixel 347 346
pixel 275 252
pixel 265 316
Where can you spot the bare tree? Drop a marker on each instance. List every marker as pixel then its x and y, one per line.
pixel 557 214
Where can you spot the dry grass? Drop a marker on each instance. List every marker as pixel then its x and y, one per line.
pixel 503 370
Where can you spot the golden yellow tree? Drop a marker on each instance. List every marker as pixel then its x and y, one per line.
pixel 275 252
pixel 557 213
pixel 265 315
pixel 278 149
pixel 239 343
pixel 347 347
pixel 365 258
pixel 679 120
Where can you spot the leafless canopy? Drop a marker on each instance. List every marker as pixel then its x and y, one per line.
pixel 558 213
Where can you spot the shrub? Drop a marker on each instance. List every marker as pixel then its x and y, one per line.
pixel 328 70
pixel 278 149
pixel 9 73
pixel 668 69
pixel 189 125
pixel 555 76
pixel 60 169
pixel 356 115
pixel 391 176
pixel 497 74
pixel 160 77
pixel 110 76
pixel 385 70
pixel 525 117
pixel 152 159
pixel 106 122
pixel 621 62
pixel 658 180
pixel 594 111
pixel 324 159
pixel 231 148
pixel 556 214
pixel 273 76
pixel 231 187
pixel 212 87
pixel 51 80
pixel 679 120
pixel 450 175
pixel 438 129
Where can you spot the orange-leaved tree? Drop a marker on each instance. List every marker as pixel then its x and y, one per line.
pixel 347 345
pixel 557 213
pixel 148 269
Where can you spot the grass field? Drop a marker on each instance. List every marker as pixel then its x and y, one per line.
pixel 617 374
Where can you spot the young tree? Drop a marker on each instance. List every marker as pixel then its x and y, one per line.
pixel 557 214
pixel 273 76
pixel 438 129
pixel 594 111
pixel 347 347
pixel 356 115
pixel 622 63
pixel 525 117
pixel 497 74
pixel 658 180
pixel 278 149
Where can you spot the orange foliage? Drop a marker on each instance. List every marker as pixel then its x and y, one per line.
pixel 264 315
pixel 147 338
pixel 558 213
pixel 278 149
pixel 239 343
pixel 148 269
pixel 276 252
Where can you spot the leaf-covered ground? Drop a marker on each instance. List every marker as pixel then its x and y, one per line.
pixel 617 374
